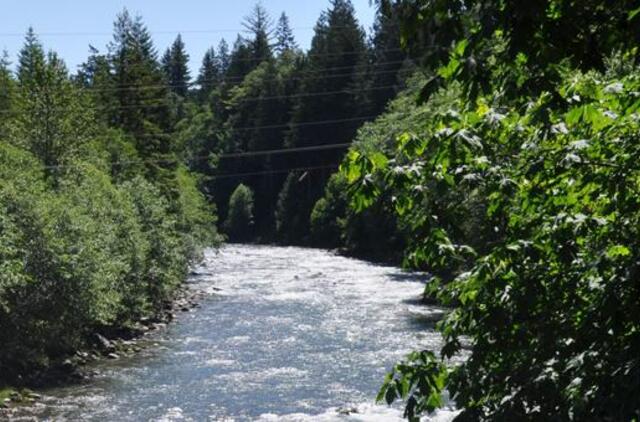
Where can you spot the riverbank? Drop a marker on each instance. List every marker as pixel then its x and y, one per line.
pixel 107 343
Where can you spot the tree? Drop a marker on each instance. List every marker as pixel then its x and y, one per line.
pixel 175 65
pixel 31 60
pixel 210 74
pixel 389 59
pixel 53 119
pixel 223 56
pixel 239 223
pixel 523 44
pixel 292 220
pixel 258 24
pixel 329 93
pixel 7 93
pixel 141 99
pixel 285 40
pixel 241 62
pixel 258 110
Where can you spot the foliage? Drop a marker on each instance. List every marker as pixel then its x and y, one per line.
pixel 512 46
pixel 291 222
pixel 175 64
pixel 239 223
pixel 548 295
pixel 87 241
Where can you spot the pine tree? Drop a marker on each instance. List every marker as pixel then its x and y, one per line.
pixel 258 24
pixel 175 64
pixel 141 107
pixel 337 56
pixel 31 61
pixel 284 36
pixel 223 56
pixel 210 74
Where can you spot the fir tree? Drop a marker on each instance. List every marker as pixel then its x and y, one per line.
pixel 141 99
pixel 175 65
pixel 241 62
pixel 284 36
pixel 258 24
pixel 210 73
pixel 223 56
pixel 388 59
pixel 31 61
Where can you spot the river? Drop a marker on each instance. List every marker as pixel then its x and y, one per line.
pixel 288 334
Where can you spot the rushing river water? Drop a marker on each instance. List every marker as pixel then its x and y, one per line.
pixel 284 334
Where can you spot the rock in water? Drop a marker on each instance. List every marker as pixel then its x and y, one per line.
pixel 104 345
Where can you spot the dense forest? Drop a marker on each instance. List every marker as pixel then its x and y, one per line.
pixel 113 176
pixel 493 144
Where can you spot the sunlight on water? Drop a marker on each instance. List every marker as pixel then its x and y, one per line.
pixel 286 334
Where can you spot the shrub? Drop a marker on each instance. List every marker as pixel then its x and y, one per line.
pixel 239 223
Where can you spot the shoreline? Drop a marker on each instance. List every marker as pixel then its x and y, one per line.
pixel 110 343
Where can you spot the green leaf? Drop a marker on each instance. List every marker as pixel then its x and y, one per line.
pixel 618 250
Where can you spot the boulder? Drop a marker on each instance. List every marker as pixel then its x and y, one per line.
pixel 104 345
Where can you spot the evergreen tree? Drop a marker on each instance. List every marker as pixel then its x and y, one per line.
pixel 338 54
pixel 95 74
pixel 223 56
pixel 141 106
pixel 388 59
pixel 261 102
pixel 7 92
pixel 291 222
pixel 284 36
pixel 258 24
pixel 31 61
pixel 241 62
pixel 175 64
pixel 210 73
pixel 337 58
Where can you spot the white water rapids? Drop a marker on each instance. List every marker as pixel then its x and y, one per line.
pixel 287 334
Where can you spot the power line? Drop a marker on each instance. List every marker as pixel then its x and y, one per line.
pixel 268 172
pixel 162 102
pixel 160 32
pixel 284 151
pixel 299 76
pixel 276 126
pixel 223 155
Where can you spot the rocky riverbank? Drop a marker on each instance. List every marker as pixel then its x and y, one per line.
pixel 107 343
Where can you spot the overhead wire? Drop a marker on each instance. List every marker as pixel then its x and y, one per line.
pixel 164 102
pixel 299 76
pixel 159 32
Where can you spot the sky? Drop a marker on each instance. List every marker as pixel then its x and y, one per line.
pixel 69 26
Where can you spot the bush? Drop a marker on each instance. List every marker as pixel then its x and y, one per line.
pixel 86 255
pixel 239 223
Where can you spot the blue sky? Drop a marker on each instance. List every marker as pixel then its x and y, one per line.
pixel 69 26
